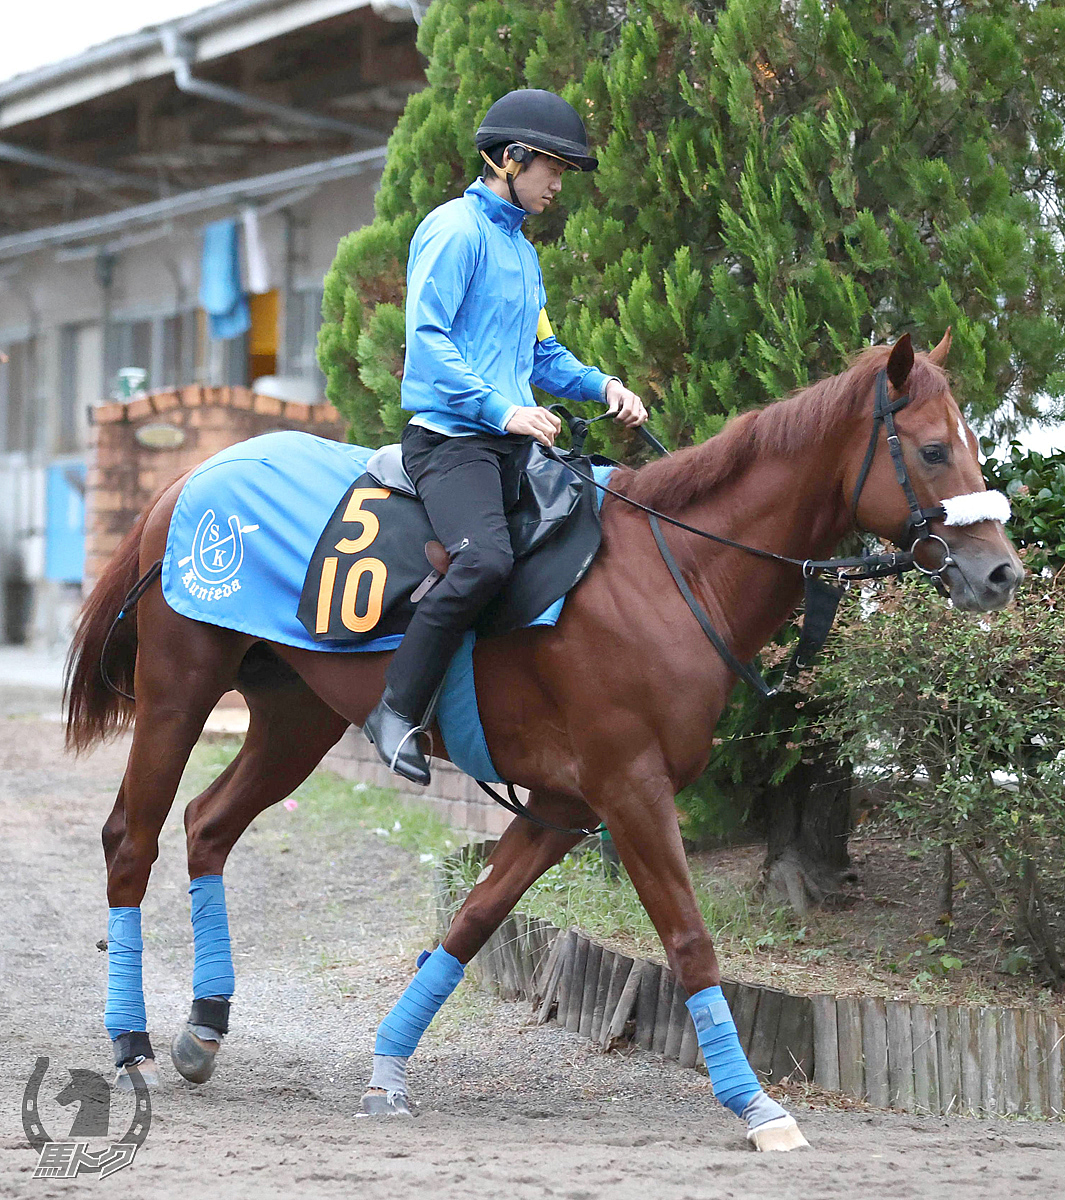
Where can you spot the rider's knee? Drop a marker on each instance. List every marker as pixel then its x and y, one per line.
pixel 490 563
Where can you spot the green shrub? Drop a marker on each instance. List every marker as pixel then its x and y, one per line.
pixel 1035 485
pixel 961 717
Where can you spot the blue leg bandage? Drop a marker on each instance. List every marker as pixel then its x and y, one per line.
pixel 733 1081
pixel 439 974
pixel 125 991
pixel 212 972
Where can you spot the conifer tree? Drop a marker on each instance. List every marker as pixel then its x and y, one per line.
pixel 779 185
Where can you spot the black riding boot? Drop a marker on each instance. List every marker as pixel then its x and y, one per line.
pixel 414 674
pixel 395 737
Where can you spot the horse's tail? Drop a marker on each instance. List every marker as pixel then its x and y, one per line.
pixel 94 711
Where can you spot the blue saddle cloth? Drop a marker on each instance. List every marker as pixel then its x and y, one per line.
pixel 243 531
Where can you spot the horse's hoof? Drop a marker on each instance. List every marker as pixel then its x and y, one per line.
pixel 384 1104
pixel 193 1056
pixel 783 1133
pixel 149 1073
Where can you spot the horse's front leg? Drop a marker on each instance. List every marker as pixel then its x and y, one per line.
pixel 642 818
pixel 524 853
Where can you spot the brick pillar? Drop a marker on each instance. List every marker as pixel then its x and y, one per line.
pixel 123 475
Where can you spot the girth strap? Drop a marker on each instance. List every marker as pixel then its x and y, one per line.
pixel 515 806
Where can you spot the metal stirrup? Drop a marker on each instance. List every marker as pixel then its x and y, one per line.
pixel 412 732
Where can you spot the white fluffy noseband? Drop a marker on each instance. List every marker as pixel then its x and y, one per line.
pixel 976 506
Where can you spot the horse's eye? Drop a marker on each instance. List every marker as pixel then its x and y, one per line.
pixel 934 454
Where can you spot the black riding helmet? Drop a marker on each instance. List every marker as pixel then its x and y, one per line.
pixel 540 121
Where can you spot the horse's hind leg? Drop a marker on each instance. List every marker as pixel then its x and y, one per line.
pixel 183 667
pixel 524 853
pixel 289 731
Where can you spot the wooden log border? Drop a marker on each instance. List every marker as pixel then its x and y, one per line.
pixel 912 1057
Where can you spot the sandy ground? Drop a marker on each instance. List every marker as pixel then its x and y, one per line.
pixel 325 931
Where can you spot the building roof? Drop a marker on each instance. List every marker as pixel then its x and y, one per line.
pixel 225 106
pixel 215 31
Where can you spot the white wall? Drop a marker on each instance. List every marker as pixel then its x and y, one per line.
pixel 154 279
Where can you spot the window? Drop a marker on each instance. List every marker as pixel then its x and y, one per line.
pixel 177 365
pixel 79 385
pixel 301 335
pixel 129 344
pixel 18 419
pixel 169 349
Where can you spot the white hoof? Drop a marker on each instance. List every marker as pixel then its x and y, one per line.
pixel 783 1133
pixel 378 1103
pixel 149 1072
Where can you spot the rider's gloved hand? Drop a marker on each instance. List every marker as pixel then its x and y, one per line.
pixel 543 425
pixel 625 406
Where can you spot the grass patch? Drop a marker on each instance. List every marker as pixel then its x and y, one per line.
pixel 577 892
pixel 328 805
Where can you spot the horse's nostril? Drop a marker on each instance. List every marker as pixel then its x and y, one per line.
pixel 1003 576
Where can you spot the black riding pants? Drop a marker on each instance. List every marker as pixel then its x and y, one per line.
pixel 459 480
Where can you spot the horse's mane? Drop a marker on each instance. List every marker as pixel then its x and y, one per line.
pixel 784 427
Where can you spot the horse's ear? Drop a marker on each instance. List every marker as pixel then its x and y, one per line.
pixel 900 362
pixel 939 354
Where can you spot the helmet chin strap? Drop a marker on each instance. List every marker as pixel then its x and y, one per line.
pixel 508 173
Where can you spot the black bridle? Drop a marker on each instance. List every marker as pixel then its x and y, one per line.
pixel 916 529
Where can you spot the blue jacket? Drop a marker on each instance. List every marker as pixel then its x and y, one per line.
pixel 477 330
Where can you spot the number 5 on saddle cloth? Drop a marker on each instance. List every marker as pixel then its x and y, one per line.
pixel 369 566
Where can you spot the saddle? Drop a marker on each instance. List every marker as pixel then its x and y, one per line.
pixel 369 566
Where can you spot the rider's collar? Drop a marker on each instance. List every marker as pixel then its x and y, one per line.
pixel 499 211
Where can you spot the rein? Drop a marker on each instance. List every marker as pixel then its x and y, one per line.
pixel 822 598
pixel 868 566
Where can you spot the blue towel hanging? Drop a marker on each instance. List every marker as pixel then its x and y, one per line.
pixel 221 295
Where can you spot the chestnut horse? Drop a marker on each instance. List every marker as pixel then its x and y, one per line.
pixel 605 717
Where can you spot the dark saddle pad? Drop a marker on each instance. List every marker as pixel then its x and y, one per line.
pixel 371 556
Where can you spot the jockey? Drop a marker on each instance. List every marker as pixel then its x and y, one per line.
pixel 477 334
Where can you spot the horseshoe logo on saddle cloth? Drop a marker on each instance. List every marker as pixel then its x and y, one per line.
pixel 217 556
